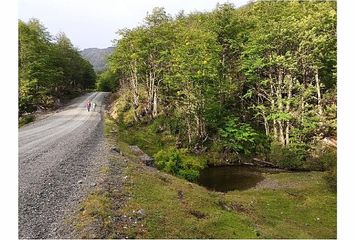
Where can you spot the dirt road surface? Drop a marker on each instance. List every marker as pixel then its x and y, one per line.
pixel 58 157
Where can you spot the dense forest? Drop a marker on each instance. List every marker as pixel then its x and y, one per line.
pixel 255 81
pixel 50 68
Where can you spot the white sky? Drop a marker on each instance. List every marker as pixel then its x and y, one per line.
pixel 93 23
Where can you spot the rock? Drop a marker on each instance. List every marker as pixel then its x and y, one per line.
pixel 180 194
pixel 136 150
pixel 143 156
pixel 197 214
pixel 116 150
pixel 141 212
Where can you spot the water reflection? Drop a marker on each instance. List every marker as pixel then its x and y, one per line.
pixel 227 178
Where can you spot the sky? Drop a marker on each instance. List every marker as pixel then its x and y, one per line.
pixel 94 23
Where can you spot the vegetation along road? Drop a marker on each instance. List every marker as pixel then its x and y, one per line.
pixel 56 157
pixel 220 124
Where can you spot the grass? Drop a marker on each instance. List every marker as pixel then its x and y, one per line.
pixel 287 205
pixel 294 205
pixel 146 137
pixel 300 207
pixel 25 120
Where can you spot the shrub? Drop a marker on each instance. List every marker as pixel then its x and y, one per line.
pixel 25 120
pixel 179 163
pixel 291 157
pixel 331 179
pixel 329 159
pixel 323 158
pixel 241 138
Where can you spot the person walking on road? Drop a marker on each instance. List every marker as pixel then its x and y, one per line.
pixel 88 105
pixel 93 106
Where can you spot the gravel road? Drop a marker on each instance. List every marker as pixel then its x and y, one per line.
pixel 58 158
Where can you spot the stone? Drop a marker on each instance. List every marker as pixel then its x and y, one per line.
pixel 141 212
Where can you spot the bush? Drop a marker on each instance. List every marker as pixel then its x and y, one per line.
pixel 178 163
pixel 241 138
pixel 25 120
pixel 329 159
pixel 322 159
pixel 107 82
pixel 331 179
pixel 291 157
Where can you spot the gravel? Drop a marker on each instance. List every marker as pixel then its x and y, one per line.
pixel 59 157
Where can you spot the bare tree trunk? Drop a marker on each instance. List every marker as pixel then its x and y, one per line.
pixel 154 106
pixel 281 133
pixel 189 132
pixel 272 107
pixel 318 87
pixel 280 107
pixel 134 85
pixel 266 125
pixel 287 128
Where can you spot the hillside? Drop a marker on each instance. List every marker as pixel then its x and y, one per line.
pixel 97 57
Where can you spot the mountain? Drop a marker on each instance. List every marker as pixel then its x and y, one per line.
pixel 97 57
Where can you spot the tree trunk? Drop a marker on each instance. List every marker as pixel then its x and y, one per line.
pixel 287 128
pixel 272 107
pixel 318 87
pixel 134 85
pixel 154 106
pixel 266 125
pixel 189 132
pixel 280 107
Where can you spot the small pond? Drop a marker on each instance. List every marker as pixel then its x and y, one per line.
pixel 228 178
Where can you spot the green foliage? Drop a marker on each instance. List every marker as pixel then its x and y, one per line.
pixel 178 163
pixel 331 179
pixel 270 64
pixel 242 138
pixel 107 82
pixel 322 158
pixel 25 120
pixel 49 69
pixel 292 157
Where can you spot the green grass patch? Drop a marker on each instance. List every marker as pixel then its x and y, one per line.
pixel 25 120
pixel 176 208
pixel 301 206
pixel 291 205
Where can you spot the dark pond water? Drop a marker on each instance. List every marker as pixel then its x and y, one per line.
pixel 228 178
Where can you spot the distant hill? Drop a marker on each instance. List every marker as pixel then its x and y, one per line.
pixel 97 57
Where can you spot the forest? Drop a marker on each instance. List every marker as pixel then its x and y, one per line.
pixel 255 82
pixel 50 68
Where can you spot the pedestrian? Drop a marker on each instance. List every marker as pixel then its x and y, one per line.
pixel 93 106
pixel 88 105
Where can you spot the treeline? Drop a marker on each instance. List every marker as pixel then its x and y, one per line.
pixel 259 80
pixel 50 68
